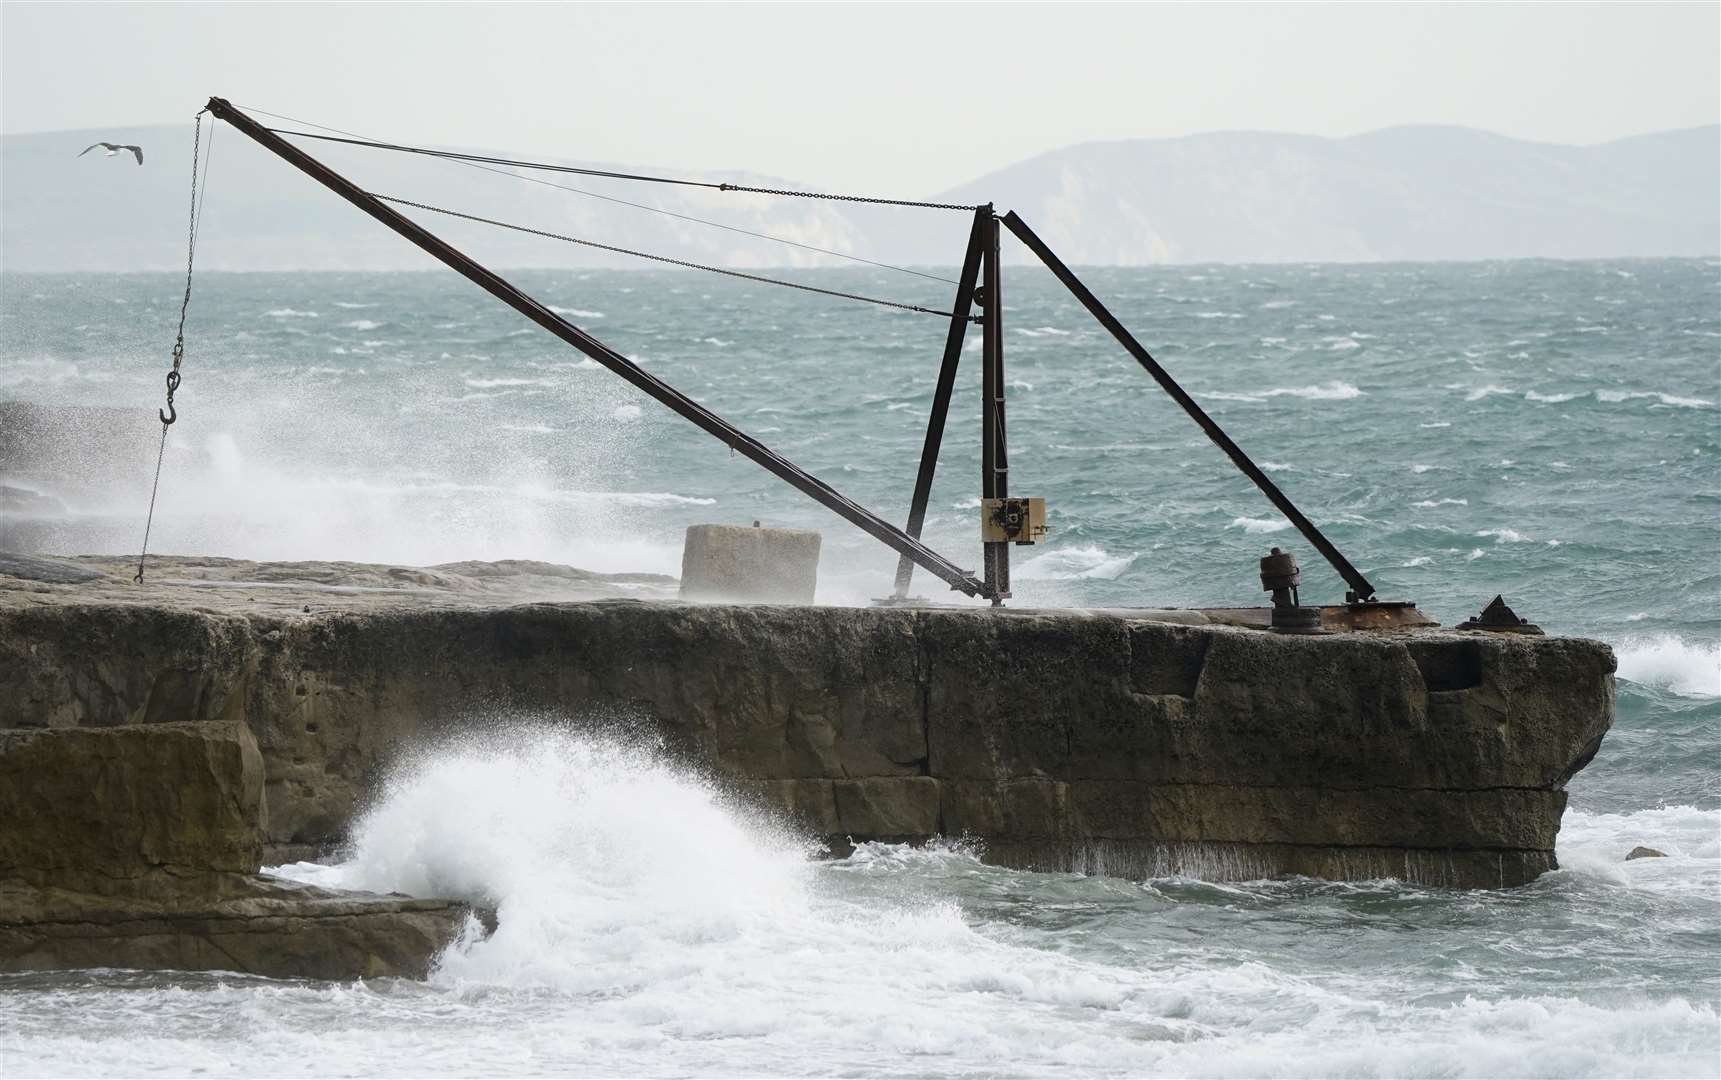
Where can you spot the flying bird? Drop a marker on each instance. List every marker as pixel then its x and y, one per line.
pixel 112 149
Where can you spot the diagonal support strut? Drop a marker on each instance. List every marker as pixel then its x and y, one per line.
pixel 953 343
pixel 1360 586
pixel 706 420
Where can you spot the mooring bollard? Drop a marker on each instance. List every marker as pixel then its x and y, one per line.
pixel 749 565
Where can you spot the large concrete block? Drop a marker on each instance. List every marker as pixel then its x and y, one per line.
pixel 737 564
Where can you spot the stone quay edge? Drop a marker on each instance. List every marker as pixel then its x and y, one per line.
pixel 1132 743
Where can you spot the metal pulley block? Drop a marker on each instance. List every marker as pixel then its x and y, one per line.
pixel 1012 521
pixel 1281 576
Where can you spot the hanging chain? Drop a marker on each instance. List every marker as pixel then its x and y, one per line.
pixel 194 216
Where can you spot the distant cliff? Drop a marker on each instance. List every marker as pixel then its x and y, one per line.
pixel 1407 193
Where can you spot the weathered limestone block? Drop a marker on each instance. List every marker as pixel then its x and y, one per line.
pixel 268 927
pixel 734 564
pixel 1058 739
pixel 1023 810
pixel 752 692
pixel 888 807
pixel 810 805
pixel 108 664
pixel 137 846
pixel 142 811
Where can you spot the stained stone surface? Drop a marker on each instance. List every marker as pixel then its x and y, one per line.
pixel 1116 741
pixel 749 565
pixel 137 845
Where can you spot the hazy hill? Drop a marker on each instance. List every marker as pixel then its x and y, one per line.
pixel 1409 193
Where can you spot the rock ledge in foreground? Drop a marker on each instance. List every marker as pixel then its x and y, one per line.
pixel 135 846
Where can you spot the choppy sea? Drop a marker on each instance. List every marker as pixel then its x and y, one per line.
pixel 1545 430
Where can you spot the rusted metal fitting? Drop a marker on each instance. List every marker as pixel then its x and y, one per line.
pixel 1500 619
pixel 1280 576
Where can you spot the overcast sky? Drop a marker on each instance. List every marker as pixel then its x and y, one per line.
pixel 911 98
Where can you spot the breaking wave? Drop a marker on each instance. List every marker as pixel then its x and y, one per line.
pixel 1259 526
pixel 1667 661
pixel 648 921
pixel 1072 563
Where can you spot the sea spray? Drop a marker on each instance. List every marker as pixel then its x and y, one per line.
pixel 926 962
pixel 1692 669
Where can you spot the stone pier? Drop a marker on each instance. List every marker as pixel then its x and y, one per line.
pixel 1123 742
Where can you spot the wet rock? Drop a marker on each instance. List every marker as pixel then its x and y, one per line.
pixel 262 926
pixel 137 846
pixel 36 568
pixel 142 812
pixel 1644 853
pixel 1061 740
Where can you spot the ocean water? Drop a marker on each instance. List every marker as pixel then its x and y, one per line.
pixel 1545 430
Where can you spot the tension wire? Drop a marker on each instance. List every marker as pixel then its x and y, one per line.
pixel 664 258
pixel 194 221
pixel 640 206
pixel 640 177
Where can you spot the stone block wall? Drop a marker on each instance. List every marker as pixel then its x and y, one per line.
pixel 1059 740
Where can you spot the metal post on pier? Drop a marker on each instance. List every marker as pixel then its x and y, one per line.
pixel 994 448
pixel 961 313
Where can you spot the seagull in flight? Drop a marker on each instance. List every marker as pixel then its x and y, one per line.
pixel 112 149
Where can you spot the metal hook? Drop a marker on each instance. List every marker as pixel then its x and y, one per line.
pixel 171 414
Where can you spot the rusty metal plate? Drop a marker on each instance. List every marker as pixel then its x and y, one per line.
pixel 1386 615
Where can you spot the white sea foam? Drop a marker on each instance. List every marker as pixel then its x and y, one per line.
pixel 576 313
pixel 1068 564
pixel 1257 526
pixel 1437 424
pixel 1672 663
pixel 1504 536
pixel 1475 553
pixel 1429 504
pixel 648 923
pixel 1614 397
pixel 492 384
pixel 1480 392
pixel 1332 391
pixel 1553 399
pixel 1420 560
pixel 627 414
pixel 351 306
pixel 291 313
